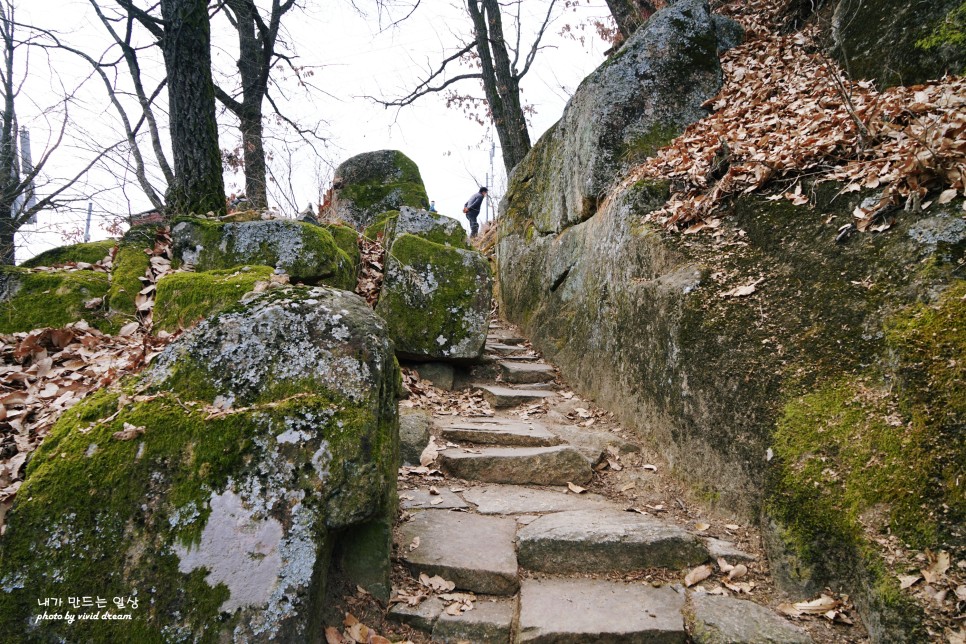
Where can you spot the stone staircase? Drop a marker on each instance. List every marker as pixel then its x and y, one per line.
pixel 544 563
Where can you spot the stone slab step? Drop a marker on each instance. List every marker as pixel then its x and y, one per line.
pixel 502 397
pixel 575 611
pixel 525 373
pixel 604 541
pixel 474 552
pixel 715 619
pixel 423 616
pixel 505 349
pixel 504 337
pixel 490 622
pixel 557 465
pixel 498 431
pixel 512 499
pixel 426 500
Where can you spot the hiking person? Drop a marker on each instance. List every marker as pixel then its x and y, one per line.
pixel 472 210
pixel 432 206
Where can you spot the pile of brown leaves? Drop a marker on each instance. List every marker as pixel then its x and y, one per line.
pixel 355 632
pixel 787 113
pixel 370 276
pixel 423 395
pixel 45 372
pixel 160 266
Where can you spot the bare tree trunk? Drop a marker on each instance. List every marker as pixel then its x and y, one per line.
pixel 198 185
pixel 254 155
pixel 630 14
pixel 500 82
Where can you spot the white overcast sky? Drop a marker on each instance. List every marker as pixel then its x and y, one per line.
pixel 352 57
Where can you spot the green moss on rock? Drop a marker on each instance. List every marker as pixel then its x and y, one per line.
pixel 185 298
pixel 50 299
pixel 433 227
pixel 91 252
pixel 130 264
pixel 346 238
pixel 308 253
pixel 436 300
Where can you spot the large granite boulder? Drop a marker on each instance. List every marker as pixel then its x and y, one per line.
pixel 643 96
pixel 210 493
pixel 308 253
pixel 787 377
pixel 431 226
pixel 436 300
pixel 372 183
pixel 900 42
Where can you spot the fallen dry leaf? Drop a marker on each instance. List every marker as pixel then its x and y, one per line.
pixel 697 575
pixel 130 432
pixel 737 572
pixel 576 489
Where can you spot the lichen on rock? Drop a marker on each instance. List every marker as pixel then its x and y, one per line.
pixel 308 253
pixel 435 300
pixel 220 515
pixel 431 226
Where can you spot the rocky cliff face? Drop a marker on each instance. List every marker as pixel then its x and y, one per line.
pixel 782 374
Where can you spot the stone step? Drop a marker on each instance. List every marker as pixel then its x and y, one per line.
pixel 498 431
pixel 505 349
pixel 426 500
pixel 526 373
pixel 489 622
pixel 590 610
pixel 474 552
pixel 714 619
pixel 504 337
pixel 557 465
pixel 502 397
pixel 605 541
pixel 514 499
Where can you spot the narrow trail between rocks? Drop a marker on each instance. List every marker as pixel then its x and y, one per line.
pixel 546 522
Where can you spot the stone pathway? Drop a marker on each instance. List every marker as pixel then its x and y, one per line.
pixel 541 559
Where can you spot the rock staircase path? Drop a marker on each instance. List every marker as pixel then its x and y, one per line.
pixel 547 564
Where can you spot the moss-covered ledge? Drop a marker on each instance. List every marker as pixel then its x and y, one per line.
pixel 32 300
pixel 90 253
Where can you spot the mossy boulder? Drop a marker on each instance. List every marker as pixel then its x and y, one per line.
pixel 183 299
pixel 308 253
pixel 372 183
pixel 898 42
pixel 431 226
pixel 347 239
pixel 436 300
pixel 90 252
pixel 32 300
pixel 643 96
pixel 247 453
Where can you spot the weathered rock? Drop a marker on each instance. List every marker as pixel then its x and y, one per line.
pixel 489 622
pixel 633 104
pixel 505 499
pixel 440 374
pixel 501 397
pixel 436 300
pixel 414 427
pixel 717 548
pixel 423 616
pixel 574 611
pixel 517 373
pixel 306 252
pixel 34 300
pixel 729 32
pixel 714 619
pixel 426 500
pixel 183 299
pixel 213 487
pixel 476 553
pixel 506 349
pixel 498 431
pixel 372 183
pixel 898 42
pixel 602 541
pixel 431 226
pixel 518 465
pixel 594 444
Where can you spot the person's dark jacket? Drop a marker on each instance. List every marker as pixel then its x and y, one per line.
pixel 474 204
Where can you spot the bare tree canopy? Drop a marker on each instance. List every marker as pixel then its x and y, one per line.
pixel 503 63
